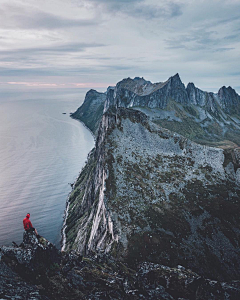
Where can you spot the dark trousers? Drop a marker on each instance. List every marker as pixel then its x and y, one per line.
pixel 32 229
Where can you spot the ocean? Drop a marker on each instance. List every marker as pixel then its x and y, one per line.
pixel 42 151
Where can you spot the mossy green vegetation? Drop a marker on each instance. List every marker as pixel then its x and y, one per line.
pixel 215 129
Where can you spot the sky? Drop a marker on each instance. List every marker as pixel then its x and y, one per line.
pixel 51 44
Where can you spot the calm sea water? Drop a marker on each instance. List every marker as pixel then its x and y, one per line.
pixel 42 150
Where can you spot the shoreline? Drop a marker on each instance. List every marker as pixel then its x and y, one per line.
pixel 94 137
pixel 64 226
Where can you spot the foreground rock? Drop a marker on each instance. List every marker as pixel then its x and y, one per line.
pixel 39 271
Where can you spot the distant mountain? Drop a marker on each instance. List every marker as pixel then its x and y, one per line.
pixel 90 113
pixel 148 193
pixel 206 118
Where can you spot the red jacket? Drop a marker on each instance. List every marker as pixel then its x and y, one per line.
pixel 27 224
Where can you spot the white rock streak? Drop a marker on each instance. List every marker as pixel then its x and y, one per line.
pixel 102 216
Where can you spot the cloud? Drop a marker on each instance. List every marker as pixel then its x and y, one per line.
pixel 26 17
pixel 201 39
pixel 32 84
pixel 45 71
pixel 223 49
pixel 39 61
pixel 37 84
pixel 68 47
pixel 49 21
pixel 91 84
pixel 26 72
pixel 141 9
pixel 48 71
pixel 154 11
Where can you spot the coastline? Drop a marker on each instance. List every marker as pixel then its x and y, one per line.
pixel 94 137
pixel 64 226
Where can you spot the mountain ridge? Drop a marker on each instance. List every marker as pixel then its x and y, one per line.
pixel 150 194
pixel 204 117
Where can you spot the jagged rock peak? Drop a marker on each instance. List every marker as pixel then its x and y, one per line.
pixel 227 90
pixel 229 99
pixel 136 85
pixel 142 87
pixel 195 95
pixel 110 88
pixel 92 91
pixel 141 79
pixel 138 92
pixel 139 86
pixel 191 85
pixel 136 80
pixel 92 94
pixel 175 78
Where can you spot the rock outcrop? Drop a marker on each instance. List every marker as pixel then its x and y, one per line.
pixel 148 194
pixel 30 273
pixel 229 100
pixel 138 92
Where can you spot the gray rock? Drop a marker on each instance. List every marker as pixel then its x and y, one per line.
pixel 149 194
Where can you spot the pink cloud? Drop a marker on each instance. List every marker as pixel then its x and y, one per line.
pixel 34 84
pixel 91 85
pixel 57 85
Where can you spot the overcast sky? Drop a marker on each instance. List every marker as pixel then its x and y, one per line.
pixel 96 43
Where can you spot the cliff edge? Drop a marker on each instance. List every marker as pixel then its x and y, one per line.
pixel 37 270
pixel 149 194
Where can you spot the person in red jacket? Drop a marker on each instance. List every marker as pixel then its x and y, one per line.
pixel 27 224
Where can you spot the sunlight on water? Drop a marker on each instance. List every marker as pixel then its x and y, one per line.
pixel 42 150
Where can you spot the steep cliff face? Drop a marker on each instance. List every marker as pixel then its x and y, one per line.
pixel 90 113
pixel 89 224
pixel 150 194
pixel 229 100
pixel 195 95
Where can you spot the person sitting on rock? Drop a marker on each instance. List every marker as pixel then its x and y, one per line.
pixel 27 224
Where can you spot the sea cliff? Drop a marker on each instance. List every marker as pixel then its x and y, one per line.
pixel 150 194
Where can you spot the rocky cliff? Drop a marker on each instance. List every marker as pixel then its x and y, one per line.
pixel 149 194
pixel 138 92
pixel 37 270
